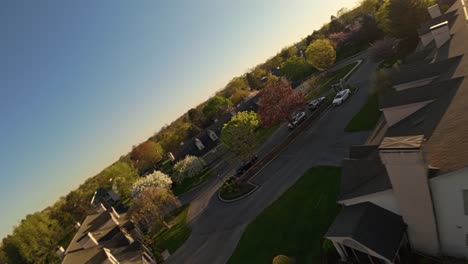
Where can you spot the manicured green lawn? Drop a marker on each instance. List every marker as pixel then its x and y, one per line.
pixel 293 225
pixel 264 133
pixel 367 117
pixel 171 239
pixel 190 183
pixel 330 78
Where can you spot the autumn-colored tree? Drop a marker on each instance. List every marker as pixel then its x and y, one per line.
pixel 195 117
pixel 151 206
pixel 383 49
pixel 146 155
pixel 321 54
pixel 239 133
pixel 277 102
pixel 216 107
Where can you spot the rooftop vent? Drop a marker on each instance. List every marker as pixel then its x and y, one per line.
pixel 434 11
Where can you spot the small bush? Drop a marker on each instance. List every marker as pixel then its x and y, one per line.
pixel 189 167
pixel 281 259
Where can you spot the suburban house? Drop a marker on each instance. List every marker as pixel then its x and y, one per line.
pixel 406 189
pixel 105 196
pixel 208 139
pixel 106 236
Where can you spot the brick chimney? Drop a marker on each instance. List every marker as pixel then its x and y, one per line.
pixel 441 33
pixel 407 170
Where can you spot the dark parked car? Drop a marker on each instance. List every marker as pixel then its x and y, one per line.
pixel 246 166
pixel 314 104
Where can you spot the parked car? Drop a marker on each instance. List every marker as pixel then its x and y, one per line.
pixel 341 96
pixel 314 104
pixel 246 166
pixel 298 118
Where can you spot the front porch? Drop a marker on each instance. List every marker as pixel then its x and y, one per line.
pixel 367 233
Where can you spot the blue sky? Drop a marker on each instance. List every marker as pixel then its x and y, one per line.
pixel 83 81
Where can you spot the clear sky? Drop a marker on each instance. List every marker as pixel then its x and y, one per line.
pixel 83 81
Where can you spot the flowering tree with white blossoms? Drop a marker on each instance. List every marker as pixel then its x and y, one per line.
pixel 155 179
pixel 189 167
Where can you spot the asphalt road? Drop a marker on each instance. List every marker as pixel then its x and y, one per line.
pixel 217 226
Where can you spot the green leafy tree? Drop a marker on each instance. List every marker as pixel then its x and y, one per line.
pixel 296 68
pixel 36 238
pixel 146 155
pixel 151 206
pixel 124 176
pixel 321 54
pixel 216 107
pixel 239 134
pixel 402 18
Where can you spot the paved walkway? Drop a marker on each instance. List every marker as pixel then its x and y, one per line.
pixel 217 226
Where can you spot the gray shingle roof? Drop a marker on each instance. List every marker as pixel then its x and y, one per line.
pixel 372 226
pixel 362 177
pixel 416 71
pixel 423 93
pixel 448 16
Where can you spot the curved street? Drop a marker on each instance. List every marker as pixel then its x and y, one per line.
pixel 217 226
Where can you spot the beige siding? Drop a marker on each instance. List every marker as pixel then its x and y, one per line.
pixel 449 204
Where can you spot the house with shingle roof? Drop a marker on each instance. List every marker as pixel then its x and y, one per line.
pixel 106 236
pixel 408 190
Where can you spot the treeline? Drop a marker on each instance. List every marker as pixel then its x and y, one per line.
pixel 349 31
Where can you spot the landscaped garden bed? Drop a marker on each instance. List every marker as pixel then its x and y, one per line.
pixel 234 188
pixel 294 224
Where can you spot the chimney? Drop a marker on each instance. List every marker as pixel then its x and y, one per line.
pixel 407 170
pixel 101 208
pixel 87 240
pixel 434 11
pixel 440 33
pixel 77 225
pixel 60 252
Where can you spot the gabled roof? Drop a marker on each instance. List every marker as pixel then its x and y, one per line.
pixel 416 71
pixel 448 16
pixel 423 93
pixel 119 237
pixel 371 226
pixel 362 177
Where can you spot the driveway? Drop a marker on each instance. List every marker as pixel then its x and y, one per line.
pixel 217 226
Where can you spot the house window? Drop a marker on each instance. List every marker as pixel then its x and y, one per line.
pixel 465 201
